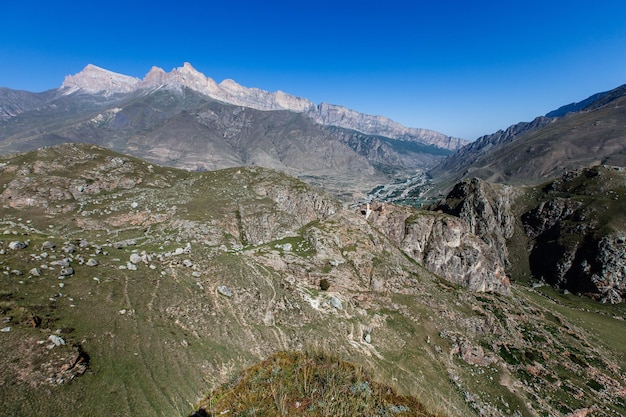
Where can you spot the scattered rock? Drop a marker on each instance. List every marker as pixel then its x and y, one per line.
pixel 66 272
pixel 287 247
pixel 69 248
pixel 92 262
pixel 336 302
pixel 47 245
pixel 335 262
pixel 56 340
pixel 5 329
pixel 225 291
pixel 17 245
pixel 124 243
pixel 135 258
pixel 187 263
pixel 65 262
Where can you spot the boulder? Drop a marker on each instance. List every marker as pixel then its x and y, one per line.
pixel 225 291
pixel 66 272
pixel 56 340
pixel 17 245
pixel 47 245
pixel 135 258
pixel 336 302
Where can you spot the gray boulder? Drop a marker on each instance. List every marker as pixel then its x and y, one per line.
pixel 17 245
pixel 225 291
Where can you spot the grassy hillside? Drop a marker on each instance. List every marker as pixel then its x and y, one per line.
pixel 181 280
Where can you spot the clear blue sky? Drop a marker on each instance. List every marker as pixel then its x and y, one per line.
pixel 464 68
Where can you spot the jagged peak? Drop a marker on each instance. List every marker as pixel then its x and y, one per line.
pixel 156 70
pixel 96 80
pixel 231 84
pixel 188 69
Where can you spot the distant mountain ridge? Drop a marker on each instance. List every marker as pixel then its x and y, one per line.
pixel 578 135
pixel 96 80
pixel 186 120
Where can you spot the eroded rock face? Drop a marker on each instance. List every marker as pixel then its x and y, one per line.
pixel 610 275
pixel 572 226
pixel 486 208
pixel 443 244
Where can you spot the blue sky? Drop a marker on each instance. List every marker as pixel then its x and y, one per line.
pixel 464 68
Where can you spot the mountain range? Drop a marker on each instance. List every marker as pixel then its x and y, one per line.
pixel 187 120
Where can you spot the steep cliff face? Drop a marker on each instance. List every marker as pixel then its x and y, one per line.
pixel 577 233
pixel 444 244
pixel 573 227
pixel 487 210
pixel 333 115
pixel 608 273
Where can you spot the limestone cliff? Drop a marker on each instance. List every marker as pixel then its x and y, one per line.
pixel 444 244
pixel 570 230
pixel 487 210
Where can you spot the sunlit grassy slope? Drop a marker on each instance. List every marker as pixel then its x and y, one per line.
pixel 229 273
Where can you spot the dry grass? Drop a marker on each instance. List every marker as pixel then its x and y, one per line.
pixel 308 384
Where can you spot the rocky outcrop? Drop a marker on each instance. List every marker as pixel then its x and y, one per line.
pixel 444 245
pixel 574 238
pixel 609 276
pixel 577 239
pixel 487 210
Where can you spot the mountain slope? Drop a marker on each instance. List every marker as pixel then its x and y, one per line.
pixel 168 282
pixel 529 153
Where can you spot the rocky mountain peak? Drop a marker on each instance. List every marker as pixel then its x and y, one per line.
pixel 96 80
pixel 156 76
pixel 93 79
